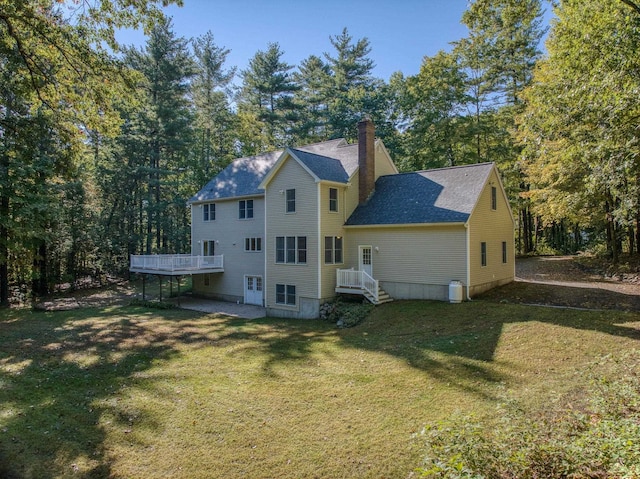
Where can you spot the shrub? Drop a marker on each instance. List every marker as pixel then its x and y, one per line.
pixel 152 304
pixel 345 314
pixel 601 439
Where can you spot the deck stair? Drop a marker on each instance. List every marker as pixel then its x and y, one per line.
pixel 383 297
pixel 352 281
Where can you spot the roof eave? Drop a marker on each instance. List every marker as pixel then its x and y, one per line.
pixel 409 225
pixel 226 198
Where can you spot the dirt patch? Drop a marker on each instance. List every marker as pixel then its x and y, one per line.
pixel 570 281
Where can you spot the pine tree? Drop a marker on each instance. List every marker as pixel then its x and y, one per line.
pixel 215 123
pixel 167 67
pixel 267 94
pixel 313 80
pixel 352 84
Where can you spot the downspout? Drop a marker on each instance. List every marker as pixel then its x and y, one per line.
pixel 264 252
pixel 320 244
pixel 466 227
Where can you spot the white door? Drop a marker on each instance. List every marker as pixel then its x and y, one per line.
pixel 366 260
pixel 253 290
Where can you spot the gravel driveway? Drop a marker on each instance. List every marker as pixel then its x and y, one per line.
pixel 563 281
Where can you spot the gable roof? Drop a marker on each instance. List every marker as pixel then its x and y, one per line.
pixel 240 178
pixel 333 160
pixel 444 195
pixel 322 167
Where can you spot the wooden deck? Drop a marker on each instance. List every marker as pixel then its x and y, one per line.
pixel 176 264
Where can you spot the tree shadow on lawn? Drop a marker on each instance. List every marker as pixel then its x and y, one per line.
pixel 61 372
pixel 457 343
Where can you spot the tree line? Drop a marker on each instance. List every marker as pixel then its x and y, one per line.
pixel 101 144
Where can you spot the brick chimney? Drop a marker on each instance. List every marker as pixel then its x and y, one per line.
pixel 366 159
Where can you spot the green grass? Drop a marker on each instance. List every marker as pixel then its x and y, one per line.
pixel 139 393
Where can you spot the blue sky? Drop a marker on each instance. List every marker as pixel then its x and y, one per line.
pixel 401 32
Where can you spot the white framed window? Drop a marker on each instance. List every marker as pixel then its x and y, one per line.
pixel 286 294
pixel 208 247
pixel 333 249
pixel 504 252
pixel 290 201
pixel 291 249
pixel 253 244
pixel 245 209
pixel 209 212
pixel 494 198
pixel 333 200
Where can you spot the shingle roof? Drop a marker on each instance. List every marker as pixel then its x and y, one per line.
pixel 240 178
pixel 333 160
pixel 328 169
pixel 445 195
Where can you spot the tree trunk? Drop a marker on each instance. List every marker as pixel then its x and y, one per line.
pixel 40 281
pixel 4 244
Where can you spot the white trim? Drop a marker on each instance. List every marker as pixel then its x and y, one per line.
pixel 244 288
pixel 407 225
pixel 226 198
pixel 468 231
pixel 278 164
pixel 361 247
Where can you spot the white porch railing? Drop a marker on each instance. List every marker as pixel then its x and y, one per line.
pixel 351 278
pixel 175 262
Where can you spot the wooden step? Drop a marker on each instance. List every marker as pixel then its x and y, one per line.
pixel 383 297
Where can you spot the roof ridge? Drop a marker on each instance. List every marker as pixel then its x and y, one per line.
pixel 259 155
pixel 456 167
pixel 318 143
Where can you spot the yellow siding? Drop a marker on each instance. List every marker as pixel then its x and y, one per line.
pixel 331 224
pixel 351 196
pixel 493 227
pixel 420 255
pixel 304 222
pixel 384 165
pixel 229 233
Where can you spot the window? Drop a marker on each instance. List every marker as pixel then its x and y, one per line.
pixel 208 247
pixel 279 249
pixel 333 249
pixel 291 201
pixel 494 198
pixel 504 251
pixel 209 211
pixel 286 294
pixel 333 199
pixel 291 249
pixel 245 209
pixel 302 249
pixel 483 253
pixel 253 244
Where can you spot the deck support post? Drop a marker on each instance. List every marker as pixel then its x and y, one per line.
pixel 144 285
pixel 160 280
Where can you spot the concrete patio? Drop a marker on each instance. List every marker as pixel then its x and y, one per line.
pixel 247 311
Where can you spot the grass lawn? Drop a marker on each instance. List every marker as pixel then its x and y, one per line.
pixel 135 393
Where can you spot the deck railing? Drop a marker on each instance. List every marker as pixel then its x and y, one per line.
pixel 351 278
pixel 175 262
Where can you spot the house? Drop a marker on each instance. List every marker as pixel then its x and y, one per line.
pixel 291 229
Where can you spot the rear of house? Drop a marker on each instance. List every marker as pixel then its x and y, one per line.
pixel 290 229
pixel 420 231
